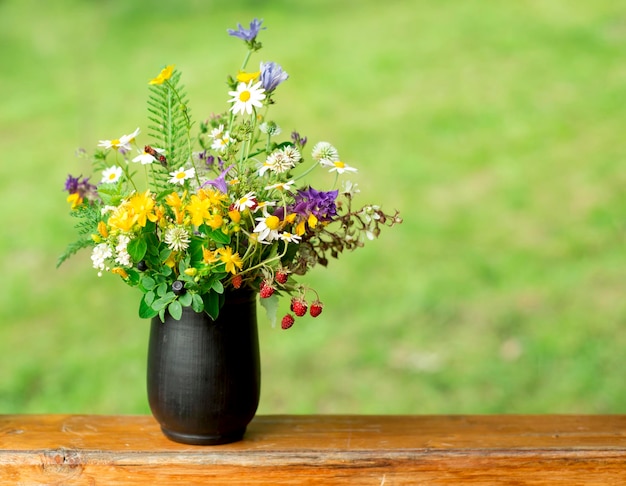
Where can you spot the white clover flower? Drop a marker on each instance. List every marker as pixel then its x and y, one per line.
pixel 324 151
pixel 177 238
pixel 292 154
pixel 111 175
pixel 270 128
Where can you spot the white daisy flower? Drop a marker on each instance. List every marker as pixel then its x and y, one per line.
pixel 221 143
pixel 281 186
pixel 324 151
pixel 128 139
pixel 217 132
pixel 289 237
pixel 181 175
pixel 267 228
pixel 177 238
pixel 246 96
pixel 147 158
pixel 111 174
pixel 339 167
pixel 247 201
pixel 121 144
pixel 263 205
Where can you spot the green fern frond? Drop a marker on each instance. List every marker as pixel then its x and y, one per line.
pixel 73 248
pixel 171 123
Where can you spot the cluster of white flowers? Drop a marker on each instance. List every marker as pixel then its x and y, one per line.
pixel 281 160
pixel 122 257
pixel 99 256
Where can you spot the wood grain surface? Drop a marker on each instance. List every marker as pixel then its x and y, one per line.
pixel 320 449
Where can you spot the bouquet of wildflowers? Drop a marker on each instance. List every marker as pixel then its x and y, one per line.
pixel 185 219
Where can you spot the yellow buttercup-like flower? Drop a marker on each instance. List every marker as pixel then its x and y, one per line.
pixel 244 77
pixel 232 261
pixel 143 206
pixel 164 75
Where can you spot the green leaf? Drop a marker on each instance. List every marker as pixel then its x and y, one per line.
pixel 197 304
pixel 161 290
pixel 218 286
pixel 211 302
pixel 218 236
pixel 148 283
pixel 175 310
pixel 271 308
pixel 149 297
pixel 185 299
pixel 145 310
pixel 137 249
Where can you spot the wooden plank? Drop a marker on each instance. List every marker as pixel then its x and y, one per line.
pixel 438 450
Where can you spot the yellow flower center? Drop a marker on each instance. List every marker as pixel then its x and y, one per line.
pixel 272 222
pixel 339 164
pixel 112 176
pixel 180 175
pixel 244 96
pixel 115 143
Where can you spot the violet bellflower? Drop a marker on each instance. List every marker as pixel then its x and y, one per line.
pixel 247 35
pixel 272 75
pixel 219 182
pixel 74 185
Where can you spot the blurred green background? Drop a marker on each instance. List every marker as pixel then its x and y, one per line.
pixel 496 128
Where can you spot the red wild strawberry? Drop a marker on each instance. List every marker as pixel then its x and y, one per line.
pixel 281 276
pixel 236 281
pixel 266 289
pixel 287 321
pixel 298 306
pixel 316 308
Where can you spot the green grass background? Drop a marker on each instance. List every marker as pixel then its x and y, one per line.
pixel 497 128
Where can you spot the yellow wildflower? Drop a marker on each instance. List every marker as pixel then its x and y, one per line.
pixel 102 229
pixel 232 261
pixel 75 199
pixel 123 218
pixel 244 77
pixel 143 206
pixel 209 256
pixel 120 271
pixel 164 75
pixel 199 210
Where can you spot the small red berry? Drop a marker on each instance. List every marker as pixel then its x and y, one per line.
pixel 298 306
pixel 316 308
pixel 287 321
pixel 266 289
pixel 281 276
pixel 236 281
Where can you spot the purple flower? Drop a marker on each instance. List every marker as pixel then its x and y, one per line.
pixel 74 185
pixel 298 140
pixel 220 181
pixel 84 188
pixel 272 75
pixel 247 34
pixel 309 201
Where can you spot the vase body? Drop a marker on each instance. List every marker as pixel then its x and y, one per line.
pixel 204 375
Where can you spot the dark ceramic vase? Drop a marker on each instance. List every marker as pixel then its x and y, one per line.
pixel 204 376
